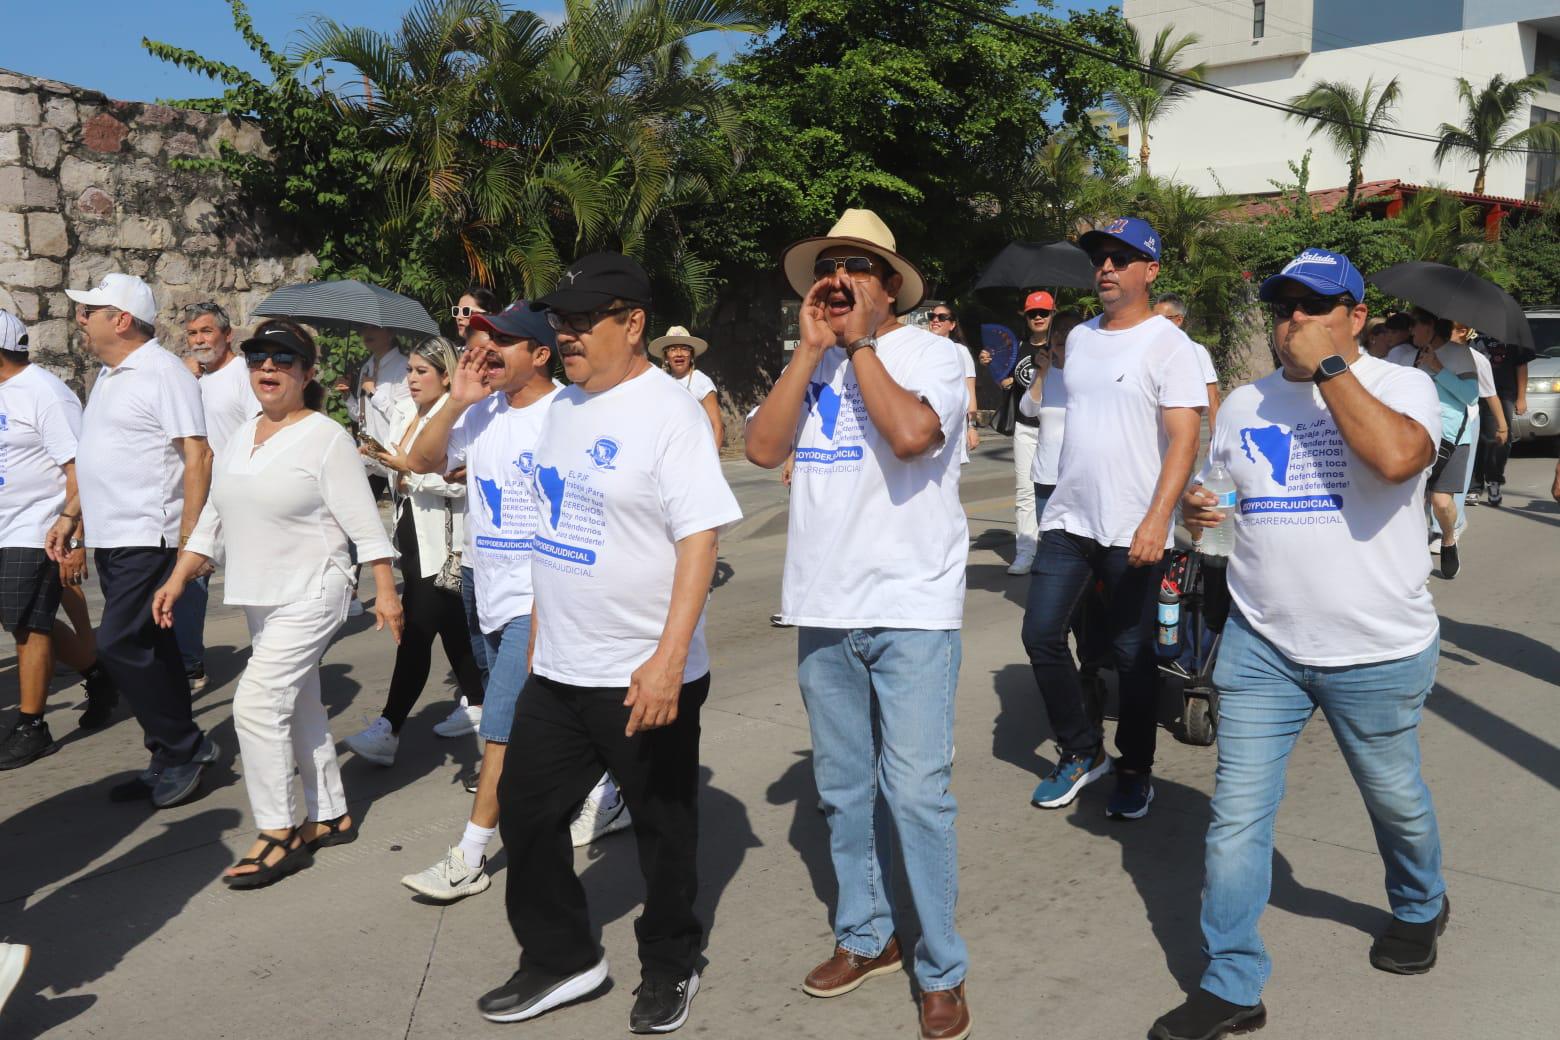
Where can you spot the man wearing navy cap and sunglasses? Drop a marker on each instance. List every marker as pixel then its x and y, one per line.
pixel 1328 456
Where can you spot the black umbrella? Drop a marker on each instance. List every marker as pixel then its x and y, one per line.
pixel 348 304
pixel 1448 292
pixel 1034 265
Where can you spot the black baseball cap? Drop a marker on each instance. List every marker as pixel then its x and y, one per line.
pixel 596 280
pixel 277 337
pixel 519 321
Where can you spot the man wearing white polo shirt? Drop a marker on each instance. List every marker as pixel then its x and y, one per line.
pixel 143 469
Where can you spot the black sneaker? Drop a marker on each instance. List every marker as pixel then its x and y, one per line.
pixel 1410 949
pixel 138 788
pixel 1207 1017
pixel 102 698
pixel 472 780
pixel 661 1005
pixel 26 743
pixel 1450 564
pixel 530 993
pixel 197 680
pixel 1492 493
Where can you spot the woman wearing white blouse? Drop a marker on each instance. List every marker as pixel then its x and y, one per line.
pixel 430 524
pixel 287 495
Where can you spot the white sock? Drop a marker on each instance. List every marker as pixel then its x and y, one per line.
pixel 605 793
pixel 474 843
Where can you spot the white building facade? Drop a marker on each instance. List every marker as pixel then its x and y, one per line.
pixel 1277 49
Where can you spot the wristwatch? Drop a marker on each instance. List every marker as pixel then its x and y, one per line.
pixel 1331 366
pixel 863 343
pixel 74 544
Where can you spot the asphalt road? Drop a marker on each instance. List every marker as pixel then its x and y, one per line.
pixel 1079 928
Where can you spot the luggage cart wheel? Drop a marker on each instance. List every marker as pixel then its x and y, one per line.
pixel 1198 719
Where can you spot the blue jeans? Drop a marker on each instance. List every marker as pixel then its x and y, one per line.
pixel 503 655
pixel 880 707
pixel 189 624
pixel 1065 568
pixel 1265 701
pixel 468 600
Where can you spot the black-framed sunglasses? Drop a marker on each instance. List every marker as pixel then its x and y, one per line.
pixel 583 321
pixel 1037 313
pixel 282 359
pixel 1311 305
pixel 465 312
pixel 939 316
pixel 1119 259
pixel 825 266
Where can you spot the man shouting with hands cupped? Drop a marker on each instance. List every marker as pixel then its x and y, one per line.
pixel 874 583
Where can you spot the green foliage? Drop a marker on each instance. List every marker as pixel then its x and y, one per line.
pixel 1531 252
pixel 1145 96
pixel 1487 114
pixel 1349 117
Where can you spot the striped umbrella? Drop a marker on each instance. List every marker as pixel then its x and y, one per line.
pixel 348 304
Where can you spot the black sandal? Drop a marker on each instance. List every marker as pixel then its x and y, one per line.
pixel 292 861
pixel 333 835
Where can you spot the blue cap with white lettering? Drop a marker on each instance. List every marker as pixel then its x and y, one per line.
pixel 1129 231
pixel 1323 272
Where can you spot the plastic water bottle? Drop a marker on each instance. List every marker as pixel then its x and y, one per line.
pixel 1218 541
pixel 1169 640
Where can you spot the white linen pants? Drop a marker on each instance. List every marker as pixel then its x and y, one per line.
pixel 277 712
pixel 1026 441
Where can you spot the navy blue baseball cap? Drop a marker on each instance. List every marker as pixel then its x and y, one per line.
pixel 520 321
pixel 1323 272
pixel 1129 231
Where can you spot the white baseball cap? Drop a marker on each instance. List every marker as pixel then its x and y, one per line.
pixel 13 334
pixel 124 291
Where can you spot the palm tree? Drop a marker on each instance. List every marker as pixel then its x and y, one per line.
pixel 1486 117
pixel 520 144
pixel 1349 118
pixel 1149 94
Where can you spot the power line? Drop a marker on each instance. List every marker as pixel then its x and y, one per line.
pixel 1069 43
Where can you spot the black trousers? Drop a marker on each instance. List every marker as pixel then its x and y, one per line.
pixel 564 737
pixel 429 611
pixel 1489 461
pixel 143 658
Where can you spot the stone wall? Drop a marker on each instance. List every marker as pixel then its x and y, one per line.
pixel 87 187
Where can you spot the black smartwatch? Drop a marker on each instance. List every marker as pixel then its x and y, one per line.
pixel 1331 366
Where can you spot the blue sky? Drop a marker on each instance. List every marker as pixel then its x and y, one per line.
pixel 97 43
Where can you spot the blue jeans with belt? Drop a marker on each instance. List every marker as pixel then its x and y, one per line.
pixel 880 707
pixel 1265 700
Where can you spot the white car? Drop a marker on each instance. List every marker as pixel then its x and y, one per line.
pixel 1542 418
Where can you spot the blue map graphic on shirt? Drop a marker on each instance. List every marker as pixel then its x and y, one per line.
pixel 493 496
pixel 1273 442
pixel 825 400
pixel 551 486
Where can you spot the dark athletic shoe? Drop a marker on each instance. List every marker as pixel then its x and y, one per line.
pixel 530 993
pixel 102 698
pixel 26 744
pixel 1450 564
pixel 1410 949
pixel 138 788
pixel 661 1005
pixel 1207 1017
pixel 178 784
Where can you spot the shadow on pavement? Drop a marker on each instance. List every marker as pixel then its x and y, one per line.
pixel 809 831
pixel 1528 750
pixel 1504 646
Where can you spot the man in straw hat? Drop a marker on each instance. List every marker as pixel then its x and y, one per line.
pixel 677 349
pixel 874 582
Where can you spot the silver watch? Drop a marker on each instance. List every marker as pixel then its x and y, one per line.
pixel 863 343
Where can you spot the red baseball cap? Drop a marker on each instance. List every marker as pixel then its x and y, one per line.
pixel 1040 301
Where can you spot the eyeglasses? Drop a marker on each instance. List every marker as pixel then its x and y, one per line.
pixel 1313 306
pixel 939 316
pixel 89 309
pixel 282 359
pixel 1119 260
pixel 825 266
pixel 465 312
pixel 582 322
pixel 1037 313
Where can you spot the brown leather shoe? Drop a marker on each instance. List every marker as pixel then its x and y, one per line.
pixel 945 1015
pixel 845 971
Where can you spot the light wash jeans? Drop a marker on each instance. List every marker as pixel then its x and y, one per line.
pixel 503 658
pixel 880 707
pixel 1265 701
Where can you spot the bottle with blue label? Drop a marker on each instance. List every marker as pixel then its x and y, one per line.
pixel 1169 638
pixel 1216 543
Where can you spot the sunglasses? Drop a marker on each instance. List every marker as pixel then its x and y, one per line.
pixel 939 316
pixel 1037 313
pixel 1120 260
pixel 465 312
pixel 584 321
pixel 1312 306
pixel 282 359
pixel 824 266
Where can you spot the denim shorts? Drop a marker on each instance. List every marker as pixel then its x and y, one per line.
pixel 506 674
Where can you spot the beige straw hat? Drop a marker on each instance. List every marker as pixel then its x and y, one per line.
pixel 677 336
pixel 856 227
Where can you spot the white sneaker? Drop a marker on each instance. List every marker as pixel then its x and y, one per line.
pixel 1021 564
pixel 466 718
pixel 593 821
pixel 13 961
pixel 375 743
pixel 355 607
pixel 450 879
